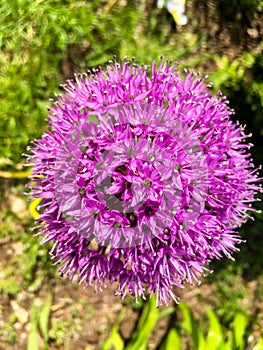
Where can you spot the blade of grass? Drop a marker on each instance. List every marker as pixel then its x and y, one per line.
pixel 259 345
pixel 172 341
pixel 115 341
pixel 146 323
pixel 215 334
pixel 16 175
pixel 239 327
pixel 44 318
pixel 192 327
pixel 32 341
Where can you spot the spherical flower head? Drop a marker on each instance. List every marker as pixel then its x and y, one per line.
pixel 144 179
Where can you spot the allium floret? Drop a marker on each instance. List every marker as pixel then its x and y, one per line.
pixel 144 179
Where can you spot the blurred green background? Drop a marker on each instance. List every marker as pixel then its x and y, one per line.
pixel 43 43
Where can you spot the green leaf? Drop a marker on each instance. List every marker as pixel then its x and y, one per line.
pixel 239 327
pixel 192 327
pixel 229 344
pixel 166 312
pixel 15 175
pixel 201 339
pixel 32 341
pixel 115 341
pixel 259 345
pixel 215 335
pixel 44 317
pixel 187 324
pixel 147 321
pixel 172 341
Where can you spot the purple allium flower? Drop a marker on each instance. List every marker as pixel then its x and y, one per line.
pixel 144 179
